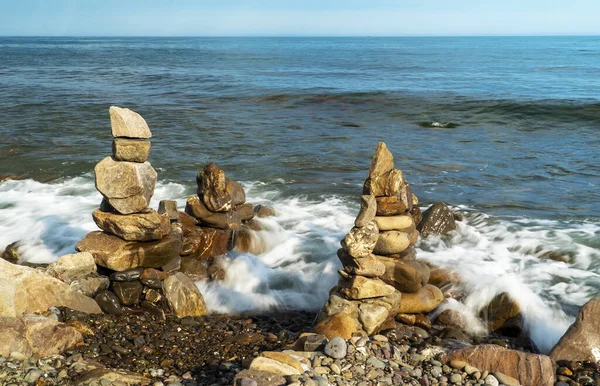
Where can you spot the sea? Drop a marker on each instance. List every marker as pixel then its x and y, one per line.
pixel 503 129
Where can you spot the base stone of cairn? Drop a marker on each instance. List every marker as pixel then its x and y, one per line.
pixel 138 247
pixel 381 278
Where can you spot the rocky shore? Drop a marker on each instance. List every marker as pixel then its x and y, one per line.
pixel 124 310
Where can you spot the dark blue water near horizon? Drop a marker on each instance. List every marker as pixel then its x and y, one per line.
pixel 506 125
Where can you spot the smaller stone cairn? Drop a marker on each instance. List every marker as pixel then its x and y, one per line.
pixel 138 248
pixel 381 279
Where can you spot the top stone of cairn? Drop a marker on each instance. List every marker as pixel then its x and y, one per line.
pixel 128 124
pixel 383 161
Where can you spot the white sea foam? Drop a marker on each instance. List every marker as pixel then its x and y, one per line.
pixel 299 265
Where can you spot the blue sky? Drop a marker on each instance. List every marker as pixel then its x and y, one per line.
pixel 305 17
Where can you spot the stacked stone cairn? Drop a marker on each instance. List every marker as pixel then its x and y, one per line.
pixel 381 281
pixel 138 248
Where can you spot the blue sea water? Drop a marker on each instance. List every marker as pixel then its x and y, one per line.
pixel 505 128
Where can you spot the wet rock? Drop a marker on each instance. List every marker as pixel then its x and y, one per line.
pixel 153 296
pixel 248 241
pixel 388 185
pixel 262 211
pixel 119 255
pixel 90 285
pixel 127 186
pixel 70 267
pixel 437 220
pixel 426 300
pixel 359 242
pixel 36 335
pixel 131 150
pixel 368 209
pixel 382 162
pixel 26 290
pixel 336 348
pixel 128 275
pixel 359 287
pixel 127 123
pixel 168 208
pixel 145 226
pixel 441 277
pixel 416 214
pixel 452 318
pixel 367 266
pixel 129 292
pixel 204 243
pixel 11 252
pixel 391 242
pixel 195 207
pixel 183 296
pixel 581 342
pixel 193 268
pixel 405 275
pixel 109 303
pixel 216 268
pixel 528 369
pixel 213 189
pixel 393 206
pixel 500 311
pixel 341 324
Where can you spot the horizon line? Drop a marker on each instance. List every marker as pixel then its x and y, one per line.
pixel 305 36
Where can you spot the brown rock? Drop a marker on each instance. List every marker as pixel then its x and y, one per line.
pixel 128 123
pixel 528 369
pixel 26 290
pixel 392 206
pixel 196 208
pixel 368 209
pixel 365 266
pixel 264 211
pixel 114 253
pixel 452 318
pixel 409 253
pixel 151 273
pixel 422 321
pixel 383 161
pixel 248 241
pixel 405 275
pixel 337 304
pixel 416 214
pixel 408 319
pixel 359 242
pixel 146 226
pixel 213 189
pixel 342 325
pixel 168 208
pixel 36 335
pixel 128 292
pixel 244 212
pixel 11 252
pixel 70 267
pixel 124 377
pixel 388 185
pixel 236 191
pixel 378 314
pixel 275 366
pixel 90 285
pixel 216 268
pixel 204 243
pixel 437 220
pixel 131 150
pixel 581 342
pixel 262 378
pixel 499 311
pixel 392 242
pixel 127 186
pixel 395 223
pixel 193 268
pixel 183 296
pixel 360 287
pixel 426 300
pixel 441 277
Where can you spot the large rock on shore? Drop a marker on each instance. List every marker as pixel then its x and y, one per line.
pixel 131 150
pixel 203 243
pixel 376 314
pixel 194 207
pixel 127 123
pixel 145 226
pixel 528 369
pixel 392 242
pixel 341 324
pixel 183 296
pixel 581 342
pixel 368 209
pixel 369 266
pixel 26 290
pixel 119 255
pixel 382 162
pixel 36 335
pixel 73 266
pixel 127 186
pixel 437 220
pixel 213 189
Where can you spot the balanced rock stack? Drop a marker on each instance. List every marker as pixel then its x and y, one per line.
pixel 137 246
pixel 381 278
pixel 213 217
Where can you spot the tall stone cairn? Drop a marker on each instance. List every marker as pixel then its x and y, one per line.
pixel 138 248
pixel 380 280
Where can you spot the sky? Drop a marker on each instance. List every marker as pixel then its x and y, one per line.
pixel 298 17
